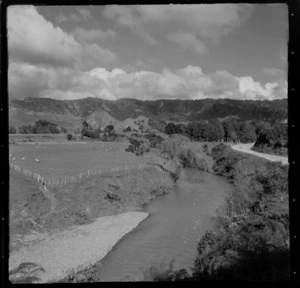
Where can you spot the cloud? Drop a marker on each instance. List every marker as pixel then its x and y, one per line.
pixel 93 35
pixel 81 15
pixel 93 54
pixel 185 25
pixel 274 72
pixel 189 82
pixel 188 40
pixel 33 39
pixel 85 14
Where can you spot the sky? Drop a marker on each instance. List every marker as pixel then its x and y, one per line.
pixel 148 52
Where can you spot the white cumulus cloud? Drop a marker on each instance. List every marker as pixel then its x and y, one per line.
pixel 189 82
pixel 33 39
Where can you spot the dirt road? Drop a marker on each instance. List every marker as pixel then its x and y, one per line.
pixel 247 149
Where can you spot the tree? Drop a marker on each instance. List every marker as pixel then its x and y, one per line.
pixel 12 130
pixel 22 129
pixel 88 131
pixel 171 128
pixel 109 128
pixel 260 126
pixel 63 130
pixel 229 131
pixel 69 137
pixel 77 131
pixel 247 133
pixel 218 130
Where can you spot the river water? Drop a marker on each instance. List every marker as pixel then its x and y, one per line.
pixel 172 231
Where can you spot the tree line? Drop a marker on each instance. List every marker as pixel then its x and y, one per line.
pixel 39 127
pixel 229 130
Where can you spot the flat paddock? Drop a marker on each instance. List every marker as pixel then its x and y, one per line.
pixel 60 159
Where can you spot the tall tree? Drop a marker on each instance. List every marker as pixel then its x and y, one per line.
pixel 247 133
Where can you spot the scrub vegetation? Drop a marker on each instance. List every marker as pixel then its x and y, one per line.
pixel 251 242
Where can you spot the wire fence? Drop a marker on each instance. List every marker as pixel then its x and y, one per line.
pixel 65 180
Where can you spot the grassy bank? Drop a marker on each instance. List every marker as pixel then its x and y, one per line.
pixel 252 239
pixel 79 203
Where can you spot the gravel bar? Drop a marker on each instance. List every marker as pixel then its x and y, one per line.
pixel 72 250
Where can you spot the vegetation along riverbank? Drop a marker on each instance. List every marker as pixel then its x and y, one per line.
pixel 252 239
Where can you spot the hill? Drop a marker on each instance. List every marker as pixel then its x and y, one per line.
pixel 69 113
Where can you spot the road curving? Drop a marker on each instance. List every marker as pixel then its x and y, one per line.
pixel 246 148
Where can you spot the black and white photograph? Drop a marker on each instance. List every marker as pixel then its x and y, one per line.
pixel 148 143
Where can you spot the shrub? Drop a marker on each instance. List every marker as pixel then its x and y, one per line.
pixel 155 140
pixel 163 273
pixel 130 148
pixel 69 137
pixel 12 130
pixel 63 130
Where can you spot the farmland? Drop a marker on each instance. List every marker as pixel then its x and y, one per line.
pixel 71 159
pixel 79 201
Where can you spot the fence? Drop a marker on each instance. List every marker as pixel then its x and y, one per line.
pixel 64 180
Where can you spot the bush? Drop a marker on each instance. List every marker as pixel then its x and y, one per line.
pixel 163 273
pixel 63 130
pixel 273 140
pixel 155 140
pixel 130 148
pixel 69 137
pixel 12 130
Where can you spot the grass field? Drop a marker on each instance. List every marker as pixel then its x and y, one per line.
pixel 38 137
pixel 70 159
pixel 25 200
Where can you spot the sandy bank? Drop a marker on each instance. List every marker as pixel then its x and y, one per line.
pixel 71 250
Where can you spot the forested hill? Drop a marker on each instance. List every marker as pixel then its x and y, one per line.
pixel 183 110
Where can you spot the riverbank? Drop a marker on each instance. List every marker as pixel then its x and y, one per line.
pixel 177 220
pixel 251 240
pixel 41 218
pixel 66 252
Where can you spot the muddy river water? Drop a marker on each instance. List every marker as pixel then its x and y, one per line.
pixel 176 223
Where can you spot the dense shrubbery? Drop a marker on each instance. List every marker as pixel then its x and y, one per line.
pixel 211 130
pixel 155 140
pixel 41 127
pixel 88 131
pixel 272 140
pixel 157 124
pixel 252 239
pixel 69 137
pixel 139 147
pixel 230 130
pixel 12 130
pixel 189 154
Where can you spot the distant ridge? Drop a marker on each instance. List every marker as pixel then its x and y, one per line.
pixel 71 112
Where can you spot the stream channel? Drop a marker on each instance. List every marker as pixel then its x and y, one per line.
pixel 172 230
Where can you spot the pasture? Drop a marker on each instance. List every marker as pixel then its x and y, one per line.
pixel 71 159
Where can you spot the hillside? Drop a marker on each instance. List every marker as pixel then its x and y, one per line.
pixel 69 113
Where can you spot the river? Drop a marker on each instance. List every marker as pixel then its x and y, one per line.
pixel 176 223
